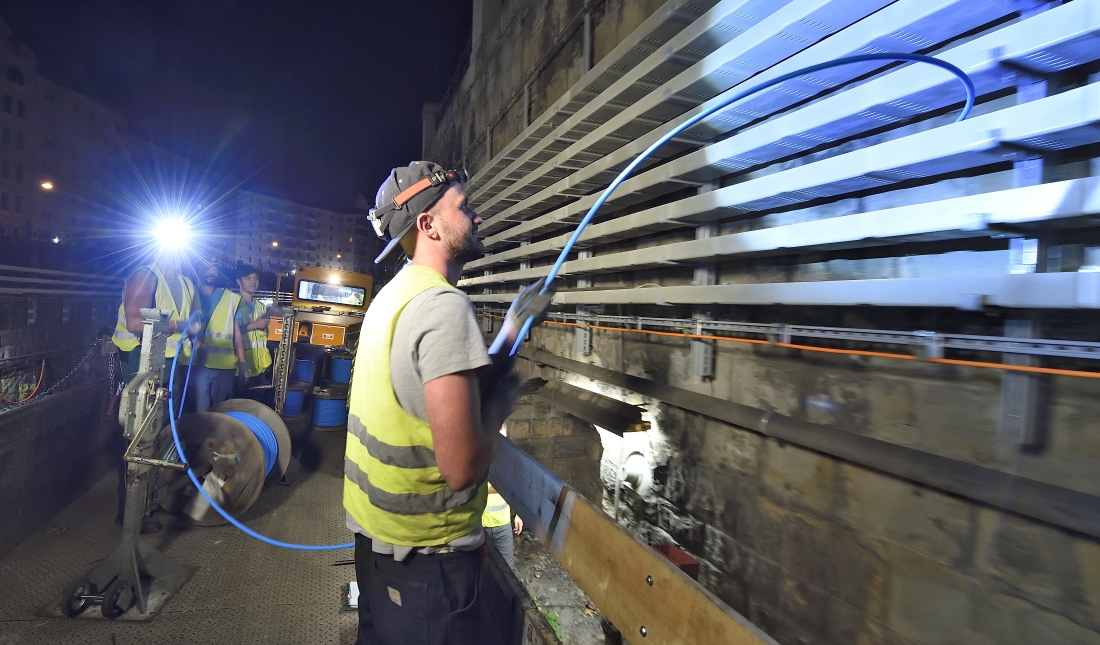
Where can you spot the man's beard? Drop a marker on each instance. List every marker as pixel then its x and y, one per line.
pixel 463 248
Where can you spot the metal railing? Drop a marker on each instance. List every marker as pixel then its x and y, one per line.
pixel 928 343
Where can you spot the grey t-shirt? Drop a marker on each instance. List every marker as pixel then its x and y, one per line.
pixel 436 334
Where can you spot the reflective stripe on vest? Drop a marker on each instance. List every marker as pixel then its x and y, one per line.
pixel 218 340
pixel 255 346
pixel 392 486
pixel 496 512
pixel 162 299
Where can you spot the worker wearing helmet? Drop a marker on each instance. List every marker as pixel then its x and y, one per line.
pixel 422 429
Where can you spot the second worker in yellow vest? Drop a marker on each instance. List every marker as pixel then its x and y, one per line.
pixel 253 317
pixel 222 348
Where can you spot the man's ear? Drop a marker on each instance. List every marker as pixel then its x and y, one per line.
pixel 426 222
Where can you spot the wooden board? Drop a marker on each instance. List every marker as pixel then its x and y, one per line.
pixel 613 567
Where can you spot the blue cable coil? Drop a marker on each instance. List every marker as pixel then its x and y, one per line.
pixel 263 434
pixel 498 342
pixel 341 370
pixel 304 368
pixel 213 504
pixel 330 413
pixel 294 404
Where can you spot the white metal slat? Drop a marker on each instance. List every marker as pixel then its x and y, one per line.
pixel 756 49
pixel 689 37
pixel 665 23
pixel 1018 291
pixel 902 17
pixel 1019 40
pixel 969 143
pixel 962 216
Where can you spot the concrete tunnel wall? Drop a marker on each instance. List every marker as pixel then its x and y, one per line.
pixel 817 550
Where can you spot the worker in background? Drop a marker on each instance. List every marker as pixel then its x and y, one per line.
pixel 422 428
pixel 252 319
pixel 498 523
pixel 159 285
pixel 222 348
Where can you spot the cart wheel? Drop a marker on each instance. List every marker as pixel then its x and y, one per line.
pixel 73 603
pixel 113 595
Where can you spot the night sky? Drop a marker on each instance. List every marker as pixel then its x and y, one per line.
pixel 314 101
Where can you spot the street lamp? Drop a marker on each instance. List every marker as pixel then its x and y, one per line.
pixel 274 244
pixel 47 185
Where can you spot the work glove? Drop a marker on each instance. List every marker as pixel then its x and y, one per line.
pixel 242 375
pixel 499 369
pixel 531 304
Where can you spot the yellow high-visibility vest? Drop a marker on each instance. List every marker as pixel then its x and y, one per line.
pixel 255 341
pixel 162 299
pixel 496 512
pixel 392 486
pixel 218 340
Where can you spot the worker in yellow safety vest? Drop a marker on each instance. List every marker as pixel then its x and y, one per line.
pixel 422 426
pixel 221 351
pixel 253 317
pixel 159 285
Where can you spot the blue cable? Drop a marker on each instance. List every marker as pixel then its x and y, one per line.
pixel 971 94
pixel 221 511
pixel 263 433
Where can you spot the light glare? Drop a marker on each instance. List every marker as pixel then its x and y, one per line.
pixel 172 233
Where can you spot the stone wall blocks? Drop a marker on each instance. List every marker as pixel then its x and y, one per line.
pixel 1008 620
pixel 712 496
pixel 798 477
pixel 727 446
pixel 928 602
pixel 920 518
pixel 1049 567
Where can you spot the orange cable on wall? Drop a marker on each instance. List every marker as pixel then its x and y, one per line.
pixel 848 352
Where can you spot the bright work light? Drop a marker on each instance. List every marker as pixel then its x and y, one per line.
pixel 172 233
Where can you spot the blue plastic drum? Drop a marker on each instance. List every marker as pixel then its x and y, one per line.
pixel 341 370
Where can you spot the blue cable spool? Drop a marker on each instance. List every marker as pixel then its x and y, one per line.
pixel 304 368
pixel 263 433
pixel 330 413
pixel 294 404
pixel 341 369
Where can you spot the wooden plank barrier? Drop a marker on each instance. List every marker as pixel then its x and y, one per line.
pixel 643 595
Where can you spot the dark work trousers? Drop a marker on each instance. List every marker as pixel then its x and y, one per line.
pixel 422 600
pixel 501 537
